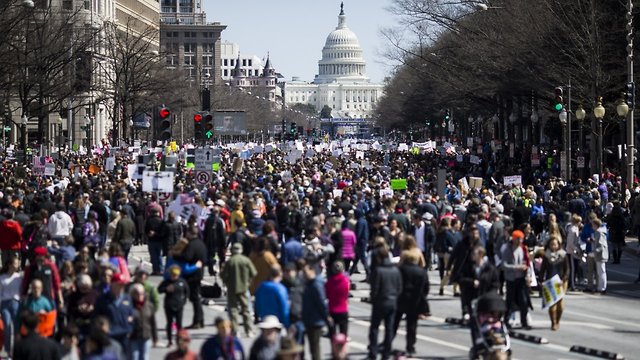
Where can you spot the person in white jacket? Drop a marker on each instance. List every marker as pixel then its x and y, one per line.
pixel 600 254
pixel 574 250
pixel 60 224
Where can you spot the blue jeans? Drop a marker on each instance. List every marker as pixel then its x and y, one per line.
pixel 139 349
pixel 155 251
pixel 9 310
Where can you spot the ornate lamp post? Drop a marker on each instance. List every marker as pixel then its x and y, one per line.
pixel 599 112
pixel 580 115
pixel 567 140
pixel 534 121
pixel 622 109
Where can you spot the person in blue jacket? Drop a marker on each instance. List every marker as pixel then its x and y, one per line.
pixel 272 297
pixel 117 306
pixel 223 345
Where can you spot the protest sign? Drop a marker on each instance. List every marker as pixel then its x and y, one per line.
pixel 552 291
pixel 386 193
pixel 475 182
pixel 513 180
pixel 398 184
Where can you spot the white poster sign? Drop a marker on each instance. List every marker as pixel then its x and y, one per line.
pixel 157 181
pixel 513 180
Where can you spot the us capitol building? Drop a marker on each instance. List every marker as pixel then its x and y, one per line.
pixel 341 82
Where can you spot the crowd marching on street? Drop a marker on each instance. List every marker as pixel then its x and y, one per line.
pixel 285 234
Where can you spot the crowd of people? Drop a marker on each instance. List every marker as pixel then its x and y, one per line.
pixel 284 237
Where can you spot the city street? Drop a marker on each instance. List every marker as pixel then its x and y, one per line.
pixel 610 322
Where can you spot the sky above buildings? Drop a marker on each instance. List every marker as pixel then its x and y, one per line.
pixel 293 32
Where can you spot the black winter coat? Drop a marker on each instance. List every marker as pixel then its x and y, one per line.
pixel 415 284
pixel 176 299
pixel 386 285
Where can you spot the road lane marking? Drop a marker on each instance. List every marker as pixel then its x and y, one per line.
pixel 419 336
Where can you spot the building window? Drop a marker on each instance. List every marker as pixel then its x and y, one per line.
pixel 189 60
pixel 187 34
pixel 233 61
pixel 250 61
pixel 225 62
pixel 172 60
pixel 169 34
pixel 225 72
pixel 207 47
pixel 207 60
pixel 189 47
pixel 67 4
pixel 244 62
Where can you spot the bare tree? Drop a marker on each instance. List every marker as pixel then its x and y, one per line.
pixel 38 60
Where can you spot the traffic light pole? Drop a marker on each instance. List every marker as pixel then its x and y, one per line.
pixel 630 118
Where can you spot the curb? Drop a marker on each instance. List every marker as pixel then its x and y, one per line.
pixel 529 338
pixel 597 353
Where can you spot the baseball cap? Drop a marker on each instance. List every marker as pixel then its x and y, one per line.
pixel 118 278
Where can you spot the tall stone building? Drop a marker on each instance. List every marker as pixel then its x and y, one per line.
pixel 189 42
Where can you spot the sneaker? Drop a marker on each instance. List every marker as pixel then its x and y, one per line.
pixel 441 292
pixel 526 327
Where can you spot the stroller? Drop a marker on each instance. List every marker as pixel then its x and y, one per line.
pixel 489 335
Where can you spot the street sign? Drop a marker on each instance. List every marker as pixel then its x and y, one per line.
pixel 204 159
pixel 164 196
pixel 203 177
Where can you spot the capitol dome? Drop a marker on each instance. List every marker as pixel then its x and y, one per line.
pixel 341 55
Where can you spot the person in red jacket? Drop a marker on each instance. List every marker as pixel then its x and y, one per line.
pixel 45 270
pixel 337 290
pixel 10 236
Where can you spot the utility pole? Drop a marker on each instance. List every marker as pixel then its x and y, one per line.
pixel 630 118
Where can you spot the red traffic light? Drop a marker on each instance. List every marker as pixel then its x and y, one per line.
pixel 164 113
pixel 197 117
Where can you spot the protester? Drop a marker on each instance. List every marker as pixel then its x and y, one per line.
pixel 272 297
pixel 315 314
pixel 266 346
pixel 386 287
pixel 33 346
pixel 555 262
pixel 177 293
pixel 183 340
pixel 515 262
pixel 223 345
pixel 237 274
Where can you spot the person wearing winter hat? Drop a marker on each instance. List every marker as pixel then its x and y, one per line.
pixel 515 263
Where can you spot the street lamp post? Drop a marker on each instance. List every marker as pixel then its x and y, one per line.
pixel 567 139
pixel 23 125
pixel 599 112
pixel 534 121
pixel 630 118
pixel 580 115
pixel 622 109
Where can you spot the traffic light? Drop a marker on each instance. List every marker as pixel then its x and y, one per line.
pixel 630 95
pixel 447 115
pixel 208 126
pixel 558 103
pixel 163 123
pixel 197 125
pixel 292 128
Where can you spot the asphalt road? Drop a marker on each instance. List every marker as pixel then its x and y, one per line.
pixel 605 322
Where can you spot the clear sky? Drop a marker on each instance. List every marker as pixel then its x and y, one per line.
pixel 294 31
